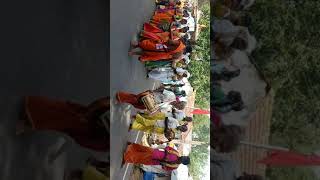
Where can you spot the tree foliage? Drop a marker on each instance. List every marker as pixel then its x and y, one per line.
pixel 200 69
pixel 200 81
pixel 200 154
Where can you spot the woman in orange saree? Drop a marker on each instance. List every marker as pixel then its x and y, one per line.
pixel 151 28
pixel 161 17
pixel 167 15
pixel 153 51
pixel 161 37
pixel 133 99
pixel 168 158
pixel 82 123
pixel 154 33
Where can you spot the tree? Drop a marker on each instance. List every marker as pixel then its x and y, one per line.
pixel 200 81
pixel 200 70
pixel 200 153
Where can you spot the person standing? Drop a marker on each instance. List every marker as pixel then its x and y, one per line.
pixel 168 157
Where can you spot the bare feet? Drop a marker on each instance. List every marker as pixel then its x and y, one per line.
pixel 130 128
pixel 134 44
pixel 123 162
pixel 130 53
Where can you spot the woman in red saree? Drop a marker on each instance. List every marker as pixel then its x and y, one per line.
pixel 82 123
pixel 169 158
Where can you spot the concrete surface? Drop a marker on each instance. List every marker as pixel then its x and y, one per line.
pixel 127 74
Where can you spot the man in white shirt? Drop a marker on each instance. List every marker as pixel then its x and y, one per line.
pixel 191 23
pixel 190 20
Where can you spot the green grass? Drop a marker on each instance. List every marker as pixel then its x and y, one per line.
pixel 288 54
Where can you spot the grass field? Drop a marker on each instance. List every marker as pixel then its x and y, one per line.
pixel 288 54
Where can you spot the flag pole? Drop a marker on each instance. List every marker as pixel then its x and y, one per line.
pixel 263 146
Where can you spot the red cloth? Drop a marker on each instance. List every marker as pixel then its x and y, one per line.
pixel 134 100
pixel 200 111
pixel 290 159
pixel 138 154
pixel 216 119
pixel 157 55
pixel 67 117
pixel 152 36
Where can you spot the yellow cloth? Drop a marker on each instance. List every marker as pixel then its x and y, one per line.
pixel 146 123
pixel 91 173
pixel 155 116
pixel 170 144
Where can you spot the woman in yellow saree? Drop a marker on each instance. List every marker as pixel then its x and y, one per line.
pixel 156 123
